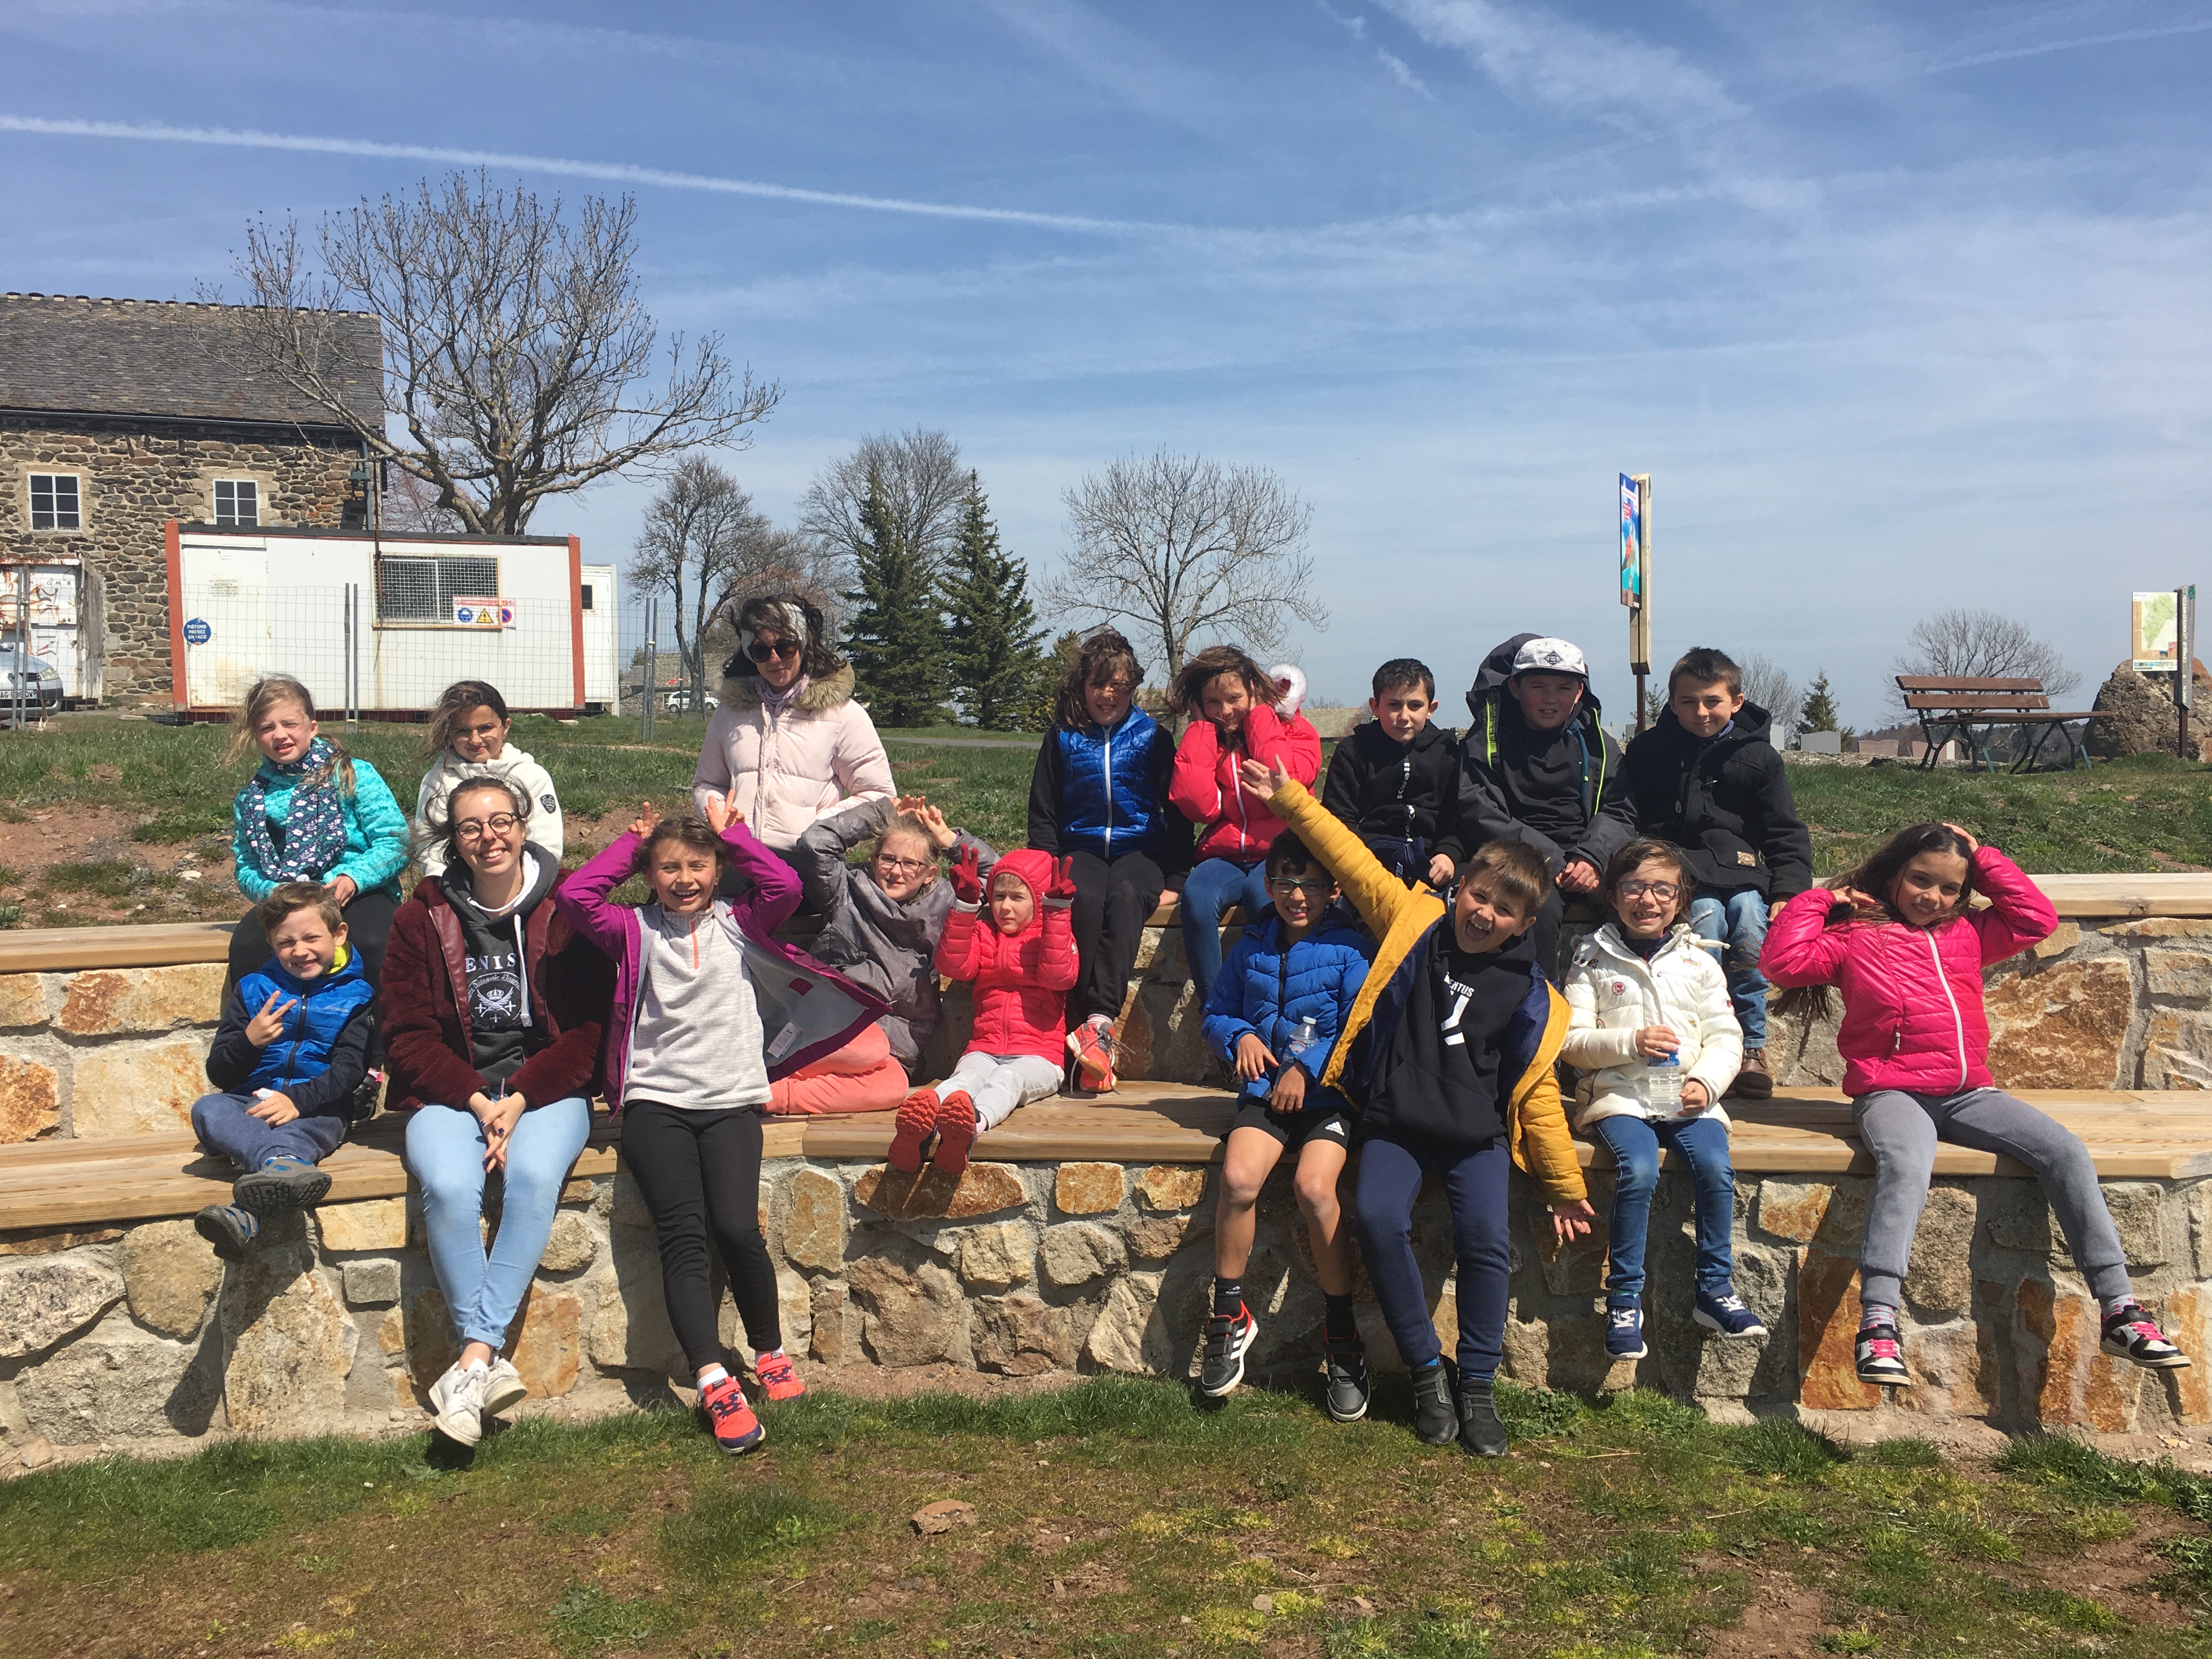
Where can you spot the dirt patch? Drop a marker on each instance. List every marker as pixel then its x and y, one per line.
pixel 2118 1571
pixel 1784 1620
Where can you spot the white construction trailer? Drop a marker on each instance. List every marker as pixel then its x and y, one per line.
pixel 378 625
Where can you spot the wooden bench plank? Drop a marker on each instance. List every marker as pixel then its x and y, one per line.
pixel 1964 701
pixel 1962 683
pixel 149 944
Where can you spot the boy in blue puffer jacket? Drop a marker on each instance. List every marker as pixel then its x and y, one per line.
pixel 1285 993
pixel 292 1048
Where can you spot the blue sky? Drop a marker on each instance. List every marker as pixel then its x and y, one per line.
pixel 1903 306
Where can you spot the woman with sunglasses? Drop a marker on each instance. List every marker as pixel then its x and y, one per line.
pixel 881 922
pixel 788 746
pixel 492 1012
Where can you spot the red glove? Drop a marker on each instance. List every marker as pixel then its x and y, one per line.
pixel 967 880
pixel 1059 891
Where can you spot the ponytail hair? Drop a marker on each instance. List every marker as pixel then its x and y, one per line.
pixel 272 691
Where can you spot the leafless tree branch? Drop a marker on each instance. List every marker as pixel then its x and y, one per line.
pixel 919 483
pixel 1980 645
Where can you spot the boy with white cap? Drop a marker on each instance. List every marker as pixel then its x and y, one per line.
pixel 1537 767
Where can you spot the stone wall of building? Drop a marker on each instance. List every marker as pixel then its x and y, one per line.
pixel 136 476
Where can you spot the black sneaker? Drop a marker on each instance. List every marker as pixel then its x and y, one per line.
pixel 229 1229
pixel 2131 1333
pixel 1348 1385
pixel 280 1184
pixel 1480 1429
pixel 1227 1340
pixel 1436 1416
pixel 1880 1359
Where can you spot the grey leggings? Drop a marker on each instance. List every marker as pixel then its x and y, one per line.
pixel 1901 1130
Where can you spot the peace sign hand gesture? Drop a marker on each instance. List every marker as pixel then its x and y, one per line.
pixel 265 1027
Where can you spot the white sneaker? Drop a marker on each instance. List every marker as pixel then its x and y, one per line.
pixel 504 1388
pixel 457 1397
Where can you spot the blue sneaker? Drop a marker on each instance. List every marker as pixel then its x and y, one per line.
pixel 1624 1330
pixel 279 1185
pixel 229 1229
pixel 1725 1311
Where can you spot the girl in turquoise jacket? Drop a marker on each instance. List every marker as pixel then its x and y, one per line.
pixel 312 812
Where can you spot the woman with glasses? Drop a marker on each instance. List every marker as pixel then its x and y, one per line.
pixel 493 1012
pixel 788 746
pixel 881 922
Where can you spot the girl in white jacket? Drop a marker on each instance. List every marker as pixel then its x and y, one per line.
pixel 1651 1022
pixel 468 735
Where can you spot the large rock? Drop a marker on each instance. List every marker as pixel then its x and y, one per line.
pixel 549 1348
pixel 2064 1026
pixel 2139 716
pixel 371 1284
pixel 116 1383
pixel 1954 1370
pixel 1078 1253
pixel 794 1311
pixel 1021 1336
pixel 571 1245
pixel 2185 975
pixel 22 1000
pixel 998 1256
pixel 1088 1188
pixel 1127 1337
pixel 1940 1283
pixel 827 1340
pixel 110 1002
pixel 2178 1051
pixel 979 1190
pixel 30 1100
pixel 171 1275
pixel 1827 1333
pixel 44 1298
pixel 2076 1384
pixel 368 1223
pixel 1157 1237
pixel 1833 1212
pixel 814 1227
pixel 1172 1186
pixel 136 1088
pixel 913 1311
pixel 290 1343
pixel 630 1322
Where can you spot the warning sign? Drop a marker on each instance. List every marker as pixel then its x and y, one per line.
pixel 483 613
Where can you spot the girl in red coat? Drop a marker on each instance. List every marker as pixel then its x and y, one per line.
pixel 1021 954
pixel 1240 717
pixel 1897 937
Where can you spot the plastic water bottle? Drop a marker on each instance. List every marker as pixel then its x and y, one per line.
pixel 1308 1033
pixel 1663 1083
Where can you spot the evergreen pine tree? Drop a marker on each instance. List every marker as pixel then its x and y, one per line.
pixel 991 644
pixel 1819 714
pixel 895 639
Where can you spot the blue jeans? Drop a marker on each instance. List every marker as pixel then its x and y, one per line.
pixel 1210 892
pixel 445 1154
pixel 1475 1183
pixel 1738 920
pixel 224 1125
pixel 1701 1143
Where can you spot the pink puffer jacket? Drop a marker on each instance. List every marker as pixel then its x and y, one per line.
pixel 1912 996
pixel 786 772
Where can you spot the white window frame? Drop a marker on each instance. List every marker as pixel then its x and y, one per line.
pixel 53 509
pixel 252 485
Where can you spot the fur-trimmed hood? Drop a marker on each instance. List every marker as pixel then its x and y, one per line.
pixel 832 690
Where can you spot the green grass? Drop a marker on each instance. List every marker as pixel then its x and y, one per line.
pixel 1113 1518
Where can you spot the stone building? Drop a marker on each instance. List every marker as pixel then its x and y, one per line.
pixel 119 415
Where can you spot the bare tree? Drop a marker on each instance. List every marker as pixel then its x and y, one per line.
pixel 920 485
pixel 517 356
pixel 703 544
pixel 1180 547
pixel 1980 645
pixel 410 506
pixel 1766 684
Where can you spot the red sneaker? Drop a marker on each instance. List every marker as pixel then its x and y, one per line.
pixel 917 1120
pixel 737 1430
pixel 1093 1045
pixel 955 1132
pixel 776 1378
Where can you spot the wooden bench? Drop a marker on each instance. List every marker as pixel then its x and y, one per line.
pixel 1960 706
pixel 2133 1134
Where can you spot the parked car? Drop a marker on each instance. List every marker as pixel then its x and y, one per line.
pixel 679 702
pixel 38 678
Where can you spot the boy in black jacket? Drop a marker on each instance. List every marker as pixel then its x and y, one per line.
pixel 1706 778
pixel 1395 782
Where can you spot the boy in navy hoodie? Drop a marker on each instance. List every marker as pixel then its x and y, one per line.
pixel 1395 782
pixel 292 1048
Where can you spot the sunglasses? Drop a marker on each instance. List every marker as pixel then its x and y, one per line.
pixel 761 650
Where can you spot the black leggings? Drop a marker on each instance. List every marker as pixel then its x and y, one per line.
pixel 699 1171
pixel 1112 903
pixel 368 928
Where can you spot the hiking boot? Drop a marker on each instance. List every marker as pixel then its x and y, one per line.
pixel 917 1121
pixel 1753 1080
pixel 456 1399
pixel 2131 1333
pixel 1228 1339
pixel 1725 1311
pixel 955 1132
pixel 228 1228
pixel 1624 1330
pixel 1436 1414
pixel 1345 1361
pixel 503 1387
pixel 737 1430
pixel 1481 1431
pixel 281 1185
pixel 1091 1043
pixel 778 1381
pixel 1880 1360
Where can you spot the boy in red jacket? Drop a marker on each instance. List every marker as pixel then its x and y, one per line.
pixel 1022 957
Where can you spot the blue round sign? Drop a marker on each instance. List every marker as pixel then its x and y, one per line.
pixel 198 632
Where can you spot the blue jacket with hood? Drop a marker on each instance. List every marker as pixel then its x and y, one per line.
pixel 1267 990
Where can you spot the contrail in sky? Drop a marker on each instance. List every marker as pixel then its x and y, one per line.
pixel 610 172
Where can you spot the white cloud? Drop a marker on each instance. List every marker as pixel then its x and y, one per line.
pixel 1401 73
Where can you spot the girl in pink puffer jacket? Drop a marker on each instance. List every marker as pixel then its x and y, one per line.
pixel 1896 937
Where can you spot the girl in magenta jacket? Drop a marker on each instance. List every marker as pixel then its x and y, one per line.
pixel 1896 937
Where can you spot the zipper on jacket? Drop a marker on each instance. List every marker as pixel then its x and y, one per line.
pixel 1110 797
pixel 1958 1020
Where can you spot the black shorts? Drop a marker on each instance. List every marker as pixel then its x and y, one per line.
pixel 1292 1130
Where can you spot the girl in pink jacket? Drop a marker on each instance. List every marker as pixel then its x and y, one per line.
pixel 1897 937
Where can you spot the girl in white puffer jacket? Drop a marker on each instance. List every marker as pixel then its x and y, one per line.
pixel 1644 990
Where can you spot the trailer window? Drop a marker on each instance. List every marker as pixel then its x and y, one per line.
pixel 237 502
pixel 55 501
pixel 421 590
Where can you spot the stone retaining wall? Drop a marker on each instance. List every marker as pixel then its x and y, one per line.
pixel 117 1336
